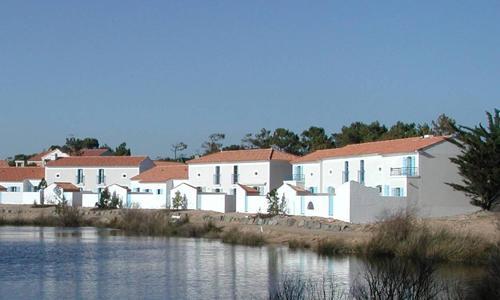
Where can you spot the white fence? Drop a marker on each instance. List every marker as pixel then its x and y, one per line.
pixel 19 197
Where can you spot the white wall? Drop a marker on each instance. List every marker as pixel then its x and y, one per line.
pixel 19 197
pixel 145 201
pixel 89 199
pixel 113 175
pixel 435 197
pixel 254 203
pixel 250 173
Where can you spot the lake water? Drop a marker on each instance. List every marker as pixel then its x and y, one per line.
pixel 90 263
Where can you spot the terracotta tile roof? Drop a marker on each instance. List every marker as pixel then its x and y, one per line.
pixel 249 190
pixel 94 152
pixel 4 164
pixel 381 147
pixel 67 186
pixel 20 174
pixel 122 186
pixel 167 163
pixel 3 189
pixel 163 173
pixel 244 155
pixel 39 156
pixel 98 161
pixel 299 190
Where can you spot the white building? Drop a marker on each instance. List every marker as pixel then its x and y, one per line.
pixel 358 183
pixel 42 158
pixel 20 185
pixel 21 179
pixel 221 172
pixel 157 182
pixel 94 173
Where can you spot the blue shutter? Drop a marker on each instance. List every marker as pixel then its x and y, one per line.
pixel 402 192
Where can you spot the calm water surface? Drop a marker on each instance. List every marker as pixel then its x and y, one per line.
pixel 90 263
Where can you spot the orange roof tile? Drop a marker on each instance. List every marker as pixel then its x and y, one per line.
pixel 20 174
pixel 94 152
pixel 167 162
pixel 67 186
pixel 39 156
pixel 381 147
pixel 244 155
pixel 163 173
pixel 4 164
pixel 98 161
pixel 249 190
pixel 299 190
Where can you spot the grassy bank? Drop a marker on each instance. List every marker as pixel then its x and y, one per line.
pixel 403 236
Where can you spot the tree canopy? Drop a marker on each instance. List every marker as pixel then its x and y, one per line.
pixel 479 161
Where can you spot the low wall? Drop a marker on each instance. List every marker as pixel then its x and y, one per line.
pixel 89 199
pixel 19 197
pixel 146 201
pixel 252 204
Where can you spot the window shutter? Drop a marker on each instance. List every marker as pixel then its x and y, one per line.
pixel 386 190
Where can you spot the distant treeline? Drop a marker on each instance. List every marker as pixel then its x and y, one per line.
pixel 309 140
pixel 316 138
pixel 75 146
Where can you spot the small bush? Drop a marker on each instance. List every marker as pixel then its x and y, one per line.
pixel 237 237
pixel 298 244
pixel 68 216
pixel 334 247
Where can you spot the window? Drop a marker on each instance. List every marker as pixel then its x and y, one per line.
pixel 379 189
pixel 345 173
pixel 361 175
pixel 100 176
pixel 58 175
pixel 14 189
pixel 137 190
pixel 235 174
pixel 147 190
pixel 124 175
pixel 99 191
pixel 217 190
pixel 256 173
pixel 312 189
pixel 217 175
pixel 79 176
pixel 159 191
pixel 397 192
pixel 310 205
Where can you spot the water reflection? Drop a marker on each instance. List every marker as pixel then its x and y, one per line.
pixel 91 263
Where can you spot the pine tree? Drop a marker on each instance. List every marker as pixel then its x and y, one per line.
pixel 479 161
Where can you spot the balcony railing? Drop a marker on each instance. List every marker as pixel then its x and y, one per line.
pixel 298 177
pixel 216 178
pixel 404 171
pixel 234 178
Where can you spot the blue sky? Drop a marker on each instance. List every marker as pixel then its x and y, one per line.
pixel 152 73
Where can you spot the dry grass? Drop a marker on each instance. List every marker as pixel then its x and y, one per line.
pixel 236 237
pixel 401 235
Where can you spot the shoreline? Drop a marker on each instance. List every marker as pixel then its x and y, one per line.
pixel 323 236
